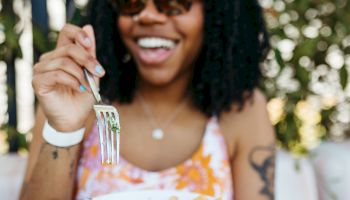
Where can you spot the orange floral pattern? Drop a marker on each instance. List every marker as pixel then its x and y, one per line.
pixel 197 175
pixel 207 172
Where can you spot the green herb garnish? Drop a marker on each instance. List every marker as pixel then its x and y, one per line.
pixel 114 125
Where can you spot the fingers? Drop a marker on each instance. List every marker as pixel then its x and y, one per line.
pixel 45 82
pixel 92 50
pixel 65 64
pixel 77 53
pixel 75 50
pixel 90 33
pixel 70 34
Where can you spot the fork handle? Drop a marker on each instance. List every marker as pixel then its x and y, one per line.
pixel 92 85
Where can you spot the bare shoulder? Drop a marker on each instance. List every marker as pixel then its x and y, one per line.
pixel 250 126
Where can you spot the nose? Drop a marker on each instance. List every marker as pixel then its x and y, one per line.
pixel 150 15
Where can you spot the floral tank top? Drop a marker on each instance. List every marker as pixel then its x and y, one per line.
pixel 207 172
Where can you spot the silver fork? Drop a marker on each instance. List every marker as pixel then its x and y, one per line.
pixel 108 125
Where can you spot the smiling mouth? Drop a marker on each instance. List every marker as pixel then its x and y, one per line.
pixel 155 42
pixel 155 50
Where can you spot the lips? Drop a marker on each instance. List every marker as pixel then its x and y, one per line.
pixel 154 56
pixel 155 50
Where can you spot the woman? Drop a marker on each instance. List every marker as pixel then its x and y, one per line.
pixel 183 76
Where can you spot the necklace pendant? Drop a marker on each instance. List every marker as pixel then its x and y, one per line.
pixel 157 134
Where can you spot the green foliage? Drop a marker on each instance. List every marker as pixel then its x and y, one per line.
pixel 9 50
pixel 8 20
pixel 308 70
pixel 41 42
pixel 14 136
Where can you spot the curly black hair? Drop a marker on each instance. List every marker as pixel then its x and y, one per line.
pixel 226 71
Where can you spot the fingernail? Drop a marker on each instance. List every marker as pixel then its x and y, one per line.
pixel 82 88
pixel 87 41
pixel 99 69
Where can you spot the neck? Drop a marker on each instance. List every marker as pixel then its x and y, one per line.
pixel 163 101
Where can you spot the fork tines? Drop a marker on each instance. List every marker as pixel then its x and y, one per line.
pixel 109 132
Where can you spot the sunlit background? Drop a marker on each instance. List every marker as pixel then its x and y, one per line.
pixel 305 76
pixel 21 31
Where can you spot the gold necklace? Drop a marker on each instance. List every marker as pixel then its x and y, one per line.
pixel 158 128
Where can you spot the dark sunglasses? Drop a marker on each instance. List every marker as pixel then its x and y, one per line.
pixel 168 7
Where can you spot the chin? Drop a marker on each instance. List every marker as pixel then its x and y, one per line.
pixel 157 81
pixel 157 75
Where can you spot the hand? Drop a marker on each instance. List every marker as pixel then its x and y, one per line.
pixel 59 81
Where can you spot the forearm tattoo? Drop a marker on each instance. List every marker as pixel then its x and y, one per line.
pixel 262 160
pixel 48 156
pixel 55 153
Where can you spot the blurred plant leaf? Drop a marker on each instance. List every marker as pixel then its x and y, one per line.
pixel 343 77
pixel 41 41
pixel 279 58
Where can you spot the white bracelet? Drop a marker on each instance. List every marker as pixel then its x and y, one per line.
pixel 62 139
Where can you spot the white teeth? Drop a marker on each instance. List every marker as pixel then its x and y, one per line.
pixel 153 42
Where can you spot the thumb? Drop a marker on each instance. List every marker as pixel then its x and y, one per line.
pixel 90 32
